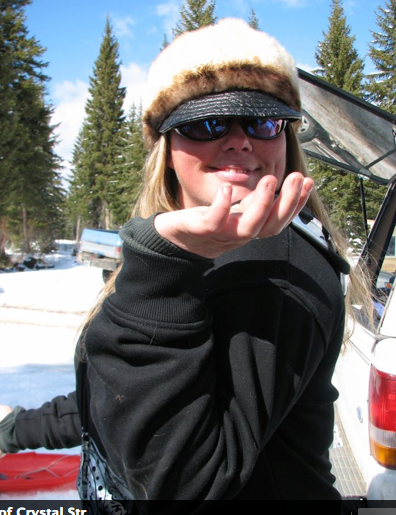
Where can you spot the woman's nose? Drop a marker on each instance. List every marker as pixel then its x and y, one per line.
pixel 236 140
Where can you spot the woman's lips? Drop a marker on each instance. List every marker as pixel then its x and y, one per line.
pixel 234 174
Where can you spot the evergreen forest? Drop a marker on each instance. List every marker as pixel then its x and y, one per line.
pixel 37 207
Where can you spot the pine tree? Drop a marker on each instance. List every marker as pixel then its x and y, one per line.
pixel 32 197
pixel 78 202
pixel 341 66
pixel 134 157
pixel 98 162
pixel 195 14
pixel 381 86
pixel 165 42
pixel 37 189
pixel 339 61
pixel 8 98
pixel 253 20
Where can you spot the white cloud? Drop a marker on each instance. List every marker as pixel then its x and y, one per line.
pixel 123 26
pixel 349 6
pixel 69 99
pixel 170 14
pixel 241 6
pixel 133 78
pixel 152 30
pixel 293 3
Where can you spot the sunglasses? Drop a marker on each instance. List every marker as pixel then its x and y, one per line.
pixel 215 128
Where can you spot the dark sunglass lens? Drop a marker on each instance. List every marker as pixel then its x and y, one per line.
pixel 204 130
pixel 264 128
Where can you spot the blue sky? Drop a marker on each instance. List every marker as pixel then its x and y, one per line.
pixel 72 31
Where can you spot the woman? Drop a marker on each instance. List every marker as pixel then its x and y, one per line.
pixel 205 372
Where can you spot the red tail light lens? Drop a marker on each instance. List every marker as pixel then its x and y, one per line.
pixel 382 410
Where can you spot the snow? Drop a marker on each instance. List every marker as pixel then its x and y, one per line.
pixel 41 312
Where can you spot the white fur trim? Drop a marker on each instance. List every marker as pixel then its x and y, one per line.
pixel 231 41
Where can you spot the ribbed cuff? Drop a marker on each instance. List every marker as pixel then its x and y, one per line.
pixel 142 232
pixel 8 443
pixel 159 282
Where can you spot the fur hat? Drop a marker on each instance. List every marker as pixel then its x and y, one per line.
pixel 214 59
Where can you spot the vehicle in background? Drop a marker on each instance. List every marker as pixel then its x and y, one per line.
pixel 101 248
pixel 366 370
pixel 360 138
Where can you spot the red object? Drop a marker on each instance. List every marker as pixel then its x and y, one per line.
pixel 38 471
pixel 382 413
pixel 382 400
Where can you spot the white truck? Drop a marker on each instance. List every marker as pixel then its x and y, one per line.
pixel 359 138
pixel 101 248
pixel 366 370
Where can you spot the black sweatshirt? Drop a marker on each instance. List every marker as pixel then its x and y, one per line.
pixel 212 379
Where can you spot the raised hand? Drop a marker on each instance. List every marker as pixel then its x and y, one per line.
pixel 211 231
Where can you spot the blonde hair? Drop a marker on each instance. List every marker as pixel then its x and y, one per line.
pixel 159 194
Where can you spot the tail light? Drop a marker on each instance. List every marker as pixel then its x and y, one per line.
pixel 382 410
pixel 118 251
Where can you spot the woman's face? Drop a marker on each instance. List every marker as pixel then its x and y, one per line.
pixel 237 159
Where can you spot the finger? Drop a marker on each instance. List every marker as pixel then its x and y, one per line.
pixel 289 211
pixel 305 193
pixel 291 199
pixel 216 216
pixel 268 182
pixel 257 207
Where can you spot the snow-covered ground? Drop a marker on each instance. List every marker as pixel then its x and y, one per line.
pixel 40 315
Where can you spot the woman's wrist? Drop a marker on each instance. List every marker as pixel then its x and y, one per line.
pixel 143 233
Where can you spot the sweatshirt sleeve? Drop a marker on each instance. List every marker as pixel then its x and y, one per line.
pixel 56 425
pixel 184 401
